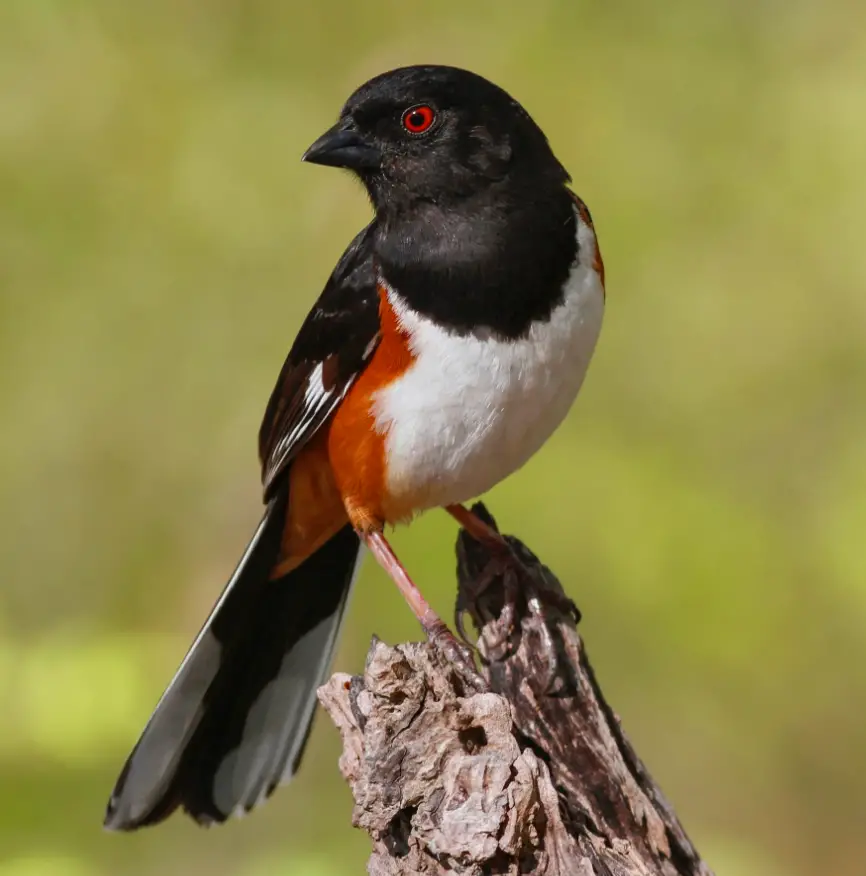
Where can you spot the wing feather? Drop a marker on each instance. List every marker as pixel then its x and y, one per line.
pixel 332 348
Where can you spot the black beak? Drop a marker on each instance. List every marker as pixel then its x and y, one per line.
pixel 343 147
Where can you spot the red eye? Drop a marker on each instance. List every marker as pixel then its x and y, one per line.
pixel 418 119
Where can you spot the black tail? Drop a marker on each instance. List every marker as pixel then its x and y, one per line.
pixel 233 723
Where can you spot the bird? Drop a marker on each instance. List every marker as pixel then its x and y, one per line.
pixel 446 347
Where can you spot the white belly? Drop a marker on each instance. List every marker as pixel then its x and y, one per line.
pixel 471 411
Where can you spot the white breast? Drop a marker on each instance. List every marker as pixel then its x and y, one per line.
pixel 471 411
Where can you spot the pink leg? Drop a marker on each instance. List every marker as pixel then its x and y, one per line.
pixel 433 626
pixel 477 528
pixel 387 559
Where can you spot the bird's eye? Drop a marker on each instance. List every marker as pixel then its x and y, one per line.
pixel 418 119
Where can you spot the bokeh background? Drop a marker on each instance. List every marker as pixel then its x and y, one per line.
pixel 705 503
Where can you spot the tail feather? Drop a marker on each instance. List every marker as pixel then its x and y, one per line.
pixel 233 723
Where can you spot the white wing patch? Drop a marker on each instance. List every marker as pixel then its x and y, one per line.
pixel 317 405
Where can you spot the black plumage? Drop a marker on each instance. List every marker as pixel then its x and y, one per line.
pixel 475 229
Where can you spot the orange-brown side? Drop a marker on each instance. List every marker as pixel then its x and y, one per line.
pixel 355 447
pixel 315 511
pixel 583 212
pixel 340 475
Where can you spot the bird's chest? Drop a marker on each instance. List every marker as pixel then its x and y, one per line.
pixel 471 410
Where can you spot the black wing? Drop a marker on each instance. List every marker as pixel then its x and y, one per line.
pixel 334 344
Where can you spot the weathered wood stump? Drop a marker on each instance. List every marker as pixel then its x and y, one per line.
pixel 523 770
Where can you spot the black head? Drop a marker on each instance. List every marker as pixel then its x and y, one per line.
pixel 435 134
pixel 474 223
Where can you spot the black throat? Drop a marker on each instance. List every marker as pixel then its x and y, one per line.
pixel 491 263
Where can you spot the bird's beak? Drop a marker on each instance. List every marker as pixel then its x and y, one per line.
pixel 343 147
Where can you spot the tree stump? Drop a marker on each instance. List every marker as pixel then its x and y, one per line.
pixel 522 770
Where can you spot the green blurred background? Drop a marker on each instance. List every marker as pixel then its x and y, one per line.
pixel 705 504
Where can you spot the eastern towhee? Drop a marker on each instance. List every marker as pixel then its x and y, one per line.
pixel 447 346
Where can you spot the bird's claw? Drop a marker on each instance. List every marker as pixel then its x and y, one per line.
pixel 502 564
pixel 523 582
pixel 458 655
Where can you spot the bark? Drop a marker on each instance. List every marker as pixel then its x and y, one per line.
pixel 521 770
